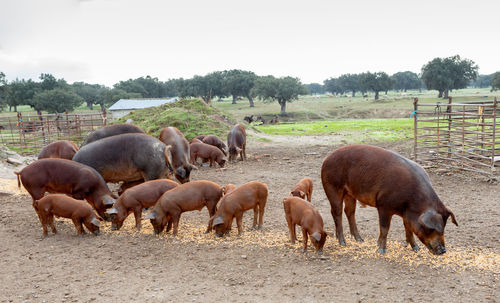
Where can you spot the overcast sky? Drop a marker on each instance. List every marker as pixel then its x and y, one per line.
pixel 105 41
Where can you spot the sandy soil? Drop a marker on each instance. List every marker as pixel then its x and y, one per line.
pixel 259 266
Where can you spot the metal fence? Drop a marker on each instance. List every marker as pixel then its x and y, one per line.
pixel 27 134
pixel 460 135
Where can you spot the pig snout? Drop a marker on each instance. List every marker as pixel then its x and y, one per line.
pixel 437 250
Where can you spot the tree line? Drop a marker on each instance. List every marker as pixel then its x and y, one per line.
pixel 56 95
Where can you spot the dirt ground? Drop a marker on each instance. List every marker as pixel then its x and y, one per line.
pixel 259 266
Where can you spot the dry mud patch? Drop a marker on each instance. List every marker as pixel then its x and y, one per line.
pixel 260 265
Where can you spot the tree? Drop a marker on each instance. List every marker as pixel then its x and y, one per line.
pixel 239 83
pixel 349 82
pixel 482 81
pixel 91 93
pixel 445 74
pixel 406 80
pixel 148 87
pixel 21 92
pixel 56 101
pixel 315 88
pixel 283 90
pixel 332 85
pixel 3 90
pixel 375 82
pixel 495 82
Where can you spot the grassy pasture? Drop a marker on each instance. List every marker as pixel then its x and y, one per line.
pixel 309 108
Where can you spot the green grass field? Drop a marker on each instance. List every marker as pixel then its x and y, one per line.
pixel 366 130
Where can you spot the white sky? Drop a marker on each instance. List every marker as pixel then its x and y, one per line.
pixel 105 41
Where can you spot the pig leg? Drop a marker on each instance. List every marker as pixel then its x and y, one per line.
pixel 44 225
pixel 255 213
pixel 409 236
pixel 262 206
pixel 350 210
pixel 385 223
pixel 239 222
pixel 175 219
pixel 78 225
pixel 335 196
pixel 291 230
pixel 50 220
pixel 305 239
pixel 138 217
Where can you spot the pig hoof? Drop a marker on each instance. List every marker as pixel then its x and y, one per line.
pixel 415 248
pixel 320 252
pixel 358 238
pixel 303 251
pixel 382 251
pixel 259 227
pixel 342 242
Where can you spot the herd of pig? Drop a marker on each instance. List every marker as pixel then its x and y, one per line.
pixel 146 167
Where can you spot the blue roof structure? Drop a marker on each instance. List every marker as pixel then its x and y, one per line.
pixel 124 104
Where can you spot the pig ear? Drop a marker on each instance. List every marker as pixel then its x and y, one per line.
pixel 181 172
pixel 316 236
pixel 302 194
pixel 218 220
pixel 95 221
pixel 111 211
pixel 150 216
pixel 432 220
pixel 452 216
pixel 107 200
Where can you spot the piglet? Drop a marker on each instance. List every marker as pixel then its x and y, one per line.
pixel 63 206
pixel 135 199
pixel 300 212
pixel 303 189
pixel 252 195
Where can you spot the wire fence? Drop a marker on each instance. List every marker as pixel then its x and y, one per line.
pixel 27 134
pixel 461 135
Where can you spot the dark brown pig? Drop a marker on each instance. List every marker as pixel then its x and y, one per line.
pixel 131 158
pixel 299 212
pixel 180 152
pixel 68 177
pixel 303 189
pixel 252 195
pixel 111 130
pixel 215 141
pixel 207 153
pixel 195 140
pixel 391 183
pixel 78 211
pixel 236 141
pixel 135 199
pixel 62 149
pixel 186 197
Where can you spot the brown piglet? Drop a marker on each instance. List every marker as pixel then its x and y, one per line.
pixel 80 212
pixel 303 189
pixel 252 195
pixel 299 212
pixel 189 196
pixel 135 199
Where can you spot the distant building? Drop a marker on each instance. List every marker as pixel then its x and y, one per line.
pixel 124 106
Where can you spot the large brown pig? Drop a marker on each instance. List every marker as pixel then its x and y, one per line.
pixel 180 152
pixel 111 130
pixel 78 211
pixel 186 197
pixel 236 141
pixel 215 141
pixel 299 212
pixel 208 153
pixel 62 149
pixel 391 183
pixel 135 199
pixel 68 177
pixel 252 195
pixel 132 158
pixel 303 189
